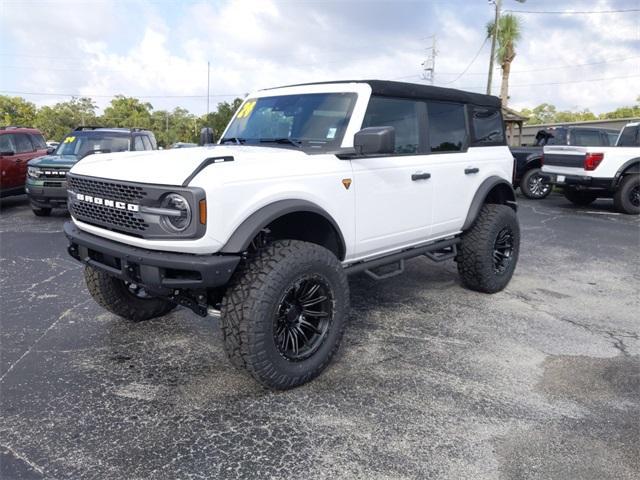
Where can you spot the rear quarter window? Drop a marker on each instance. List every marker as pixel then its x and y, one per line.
pixel 7 144
pixel 488 127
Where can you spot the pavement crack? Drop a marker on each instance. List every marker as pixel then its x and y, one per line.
pixel 23 458
pixel 30 349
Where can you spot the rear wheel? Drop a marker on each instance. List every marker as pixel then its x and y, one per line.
pixel 580 197
pixel 488 252
pixel 41 212
pixel 125 299
pixel 284 314
pixel 533 186
pixel 627 196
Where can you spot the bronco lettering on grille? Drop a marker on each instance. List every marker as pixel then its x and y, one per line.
pixel 132 207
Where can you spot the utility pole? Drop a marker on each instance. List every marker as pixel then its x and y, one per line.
pixel 494 36
pixel 429 65
pixel 208 81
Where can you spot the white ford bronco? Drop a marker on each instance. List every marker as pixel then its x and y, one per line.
pixel 308 184
pixel 588 173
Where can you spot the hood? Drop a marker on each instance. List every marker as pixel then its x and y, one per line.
pixel 173 167
pixel 53 161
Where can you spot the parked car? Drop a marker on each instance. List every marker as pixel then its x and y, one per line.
pixel 629 135
pixel 588 173
pixel 529 159
pixel 46 179
pixel 18 145
pixel 308 184
pixel 52 144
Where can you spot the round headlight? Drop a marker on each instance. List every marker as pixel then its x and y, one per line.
pixel 33 172
pixel 179 221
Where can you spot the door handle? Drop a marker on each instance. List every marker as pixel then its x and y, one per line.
pixel 469 171
pixel 420 176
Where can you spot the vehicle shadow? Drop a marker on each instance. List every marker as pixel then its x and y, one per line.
pixel 12 202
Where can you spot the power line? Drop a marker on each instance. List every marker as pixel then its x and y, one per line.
pixel 572 12
pixel 470 63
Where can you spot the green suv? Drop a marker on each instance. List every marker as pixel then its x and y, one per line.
pixel 46 183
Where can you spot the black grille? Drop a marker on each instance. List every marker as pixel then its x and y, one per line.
pixel 100 214
pixel 564 160
pixel 103 189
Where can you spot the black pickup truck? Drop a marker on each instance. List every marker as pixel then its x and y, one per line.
pixel 528 160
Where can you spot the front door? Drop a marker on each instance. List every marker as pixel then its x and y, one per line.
pixel 394 192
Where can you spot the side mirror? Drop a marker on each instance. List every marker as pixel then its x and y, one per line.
pixel 372 140
pixel 206 136
pixel 50 150
pixel 8 153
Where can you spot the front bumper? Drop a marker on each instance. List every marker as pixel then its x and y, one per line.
pixel 47 194
pixel 157 271
pixel 581 182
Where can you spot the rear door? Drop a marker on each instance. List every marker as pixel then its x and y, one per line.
pixel 15 167
pixel 394 192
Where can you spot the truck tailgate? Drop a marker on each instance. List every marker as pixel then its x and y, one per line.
pixel 565 158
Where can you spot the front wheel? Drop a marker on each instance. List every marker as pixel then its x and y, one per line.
pixel 580 197
pixel 284 314
pixel 532 185
pixel 41 212
pixel 488 252
pixel 627 196
pixel 127 300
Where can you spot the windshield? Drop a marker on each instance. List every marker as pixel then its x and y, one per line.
pixel 82 144
pixel 313 120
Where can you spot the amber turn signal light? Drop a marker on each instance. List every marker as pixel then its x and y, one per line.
pixel 203 211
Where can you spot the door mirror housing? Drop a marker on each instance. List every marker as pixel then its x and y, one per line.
pixel 375 140
pixel 206 136
pixel 50 150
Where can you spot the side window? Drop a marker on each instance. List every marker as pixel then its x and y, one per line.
pixel 629 137
pixel 400 114
pixel 137 143
pixel 6 143
pixel 447 126
pixel 488 128
pixel 146 142
pixel 152 139
pixel 587 138
pixel 23 144
pixel 38 141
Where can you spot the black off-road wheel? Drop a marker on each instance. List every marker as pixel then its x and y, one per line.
pixel 127 300
pixel 533 186
pixel 627 196
pixel 41 212
pixel 578 197
pixel 284 313
pixel 488 252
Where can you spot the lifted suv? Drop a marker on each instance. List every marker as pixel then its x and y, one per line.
pixel 309 183
pixel 46 184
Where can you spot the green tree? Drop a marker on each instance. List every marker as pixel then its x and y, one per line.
pixel 632 111
pixel 16 111
pixel 176 126
pixel 543 113
pixel 219 119
pixel 57 120
pixel 509 32
pixel 127 112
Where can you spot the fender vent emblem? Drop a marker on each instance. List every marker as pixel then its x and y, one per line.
pixel 346 182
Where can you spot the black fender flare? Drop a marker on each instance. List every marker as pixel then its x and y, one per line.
pixel 481 195
pixel 630 166
pixel 251 226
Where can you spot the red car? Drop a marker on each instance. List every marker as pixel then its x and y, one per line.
pixel 18 145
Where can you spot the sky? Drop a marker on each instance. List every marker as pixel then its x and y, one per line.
pixel 158 50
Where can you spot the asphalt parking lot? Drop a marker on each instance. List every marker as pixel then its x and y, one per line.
pixel 541 381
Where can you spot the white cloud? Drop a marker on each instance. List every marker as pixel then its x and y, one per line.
pixel 161 48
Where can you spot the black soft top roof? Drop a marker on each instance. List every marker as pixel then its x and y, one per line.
pixel 415 90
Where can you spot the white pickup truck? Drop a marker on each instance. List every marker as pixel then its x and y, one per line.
pixel 588 173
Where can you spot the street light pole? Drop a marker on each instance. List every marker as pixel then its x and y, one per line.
pixel 494 36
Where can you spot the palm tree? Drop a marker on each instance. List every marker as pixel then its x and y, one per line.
pixel 509 32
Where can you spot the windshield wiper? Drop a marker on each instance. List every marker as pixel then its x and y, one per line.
pixel 290 141
pixel 236 140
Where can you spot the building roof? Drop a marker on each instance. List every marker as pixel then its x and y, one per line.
pixel 415 90
pixel 511 115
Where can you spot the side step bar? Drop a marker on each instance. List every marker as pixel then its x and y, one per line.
pixel 438 252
